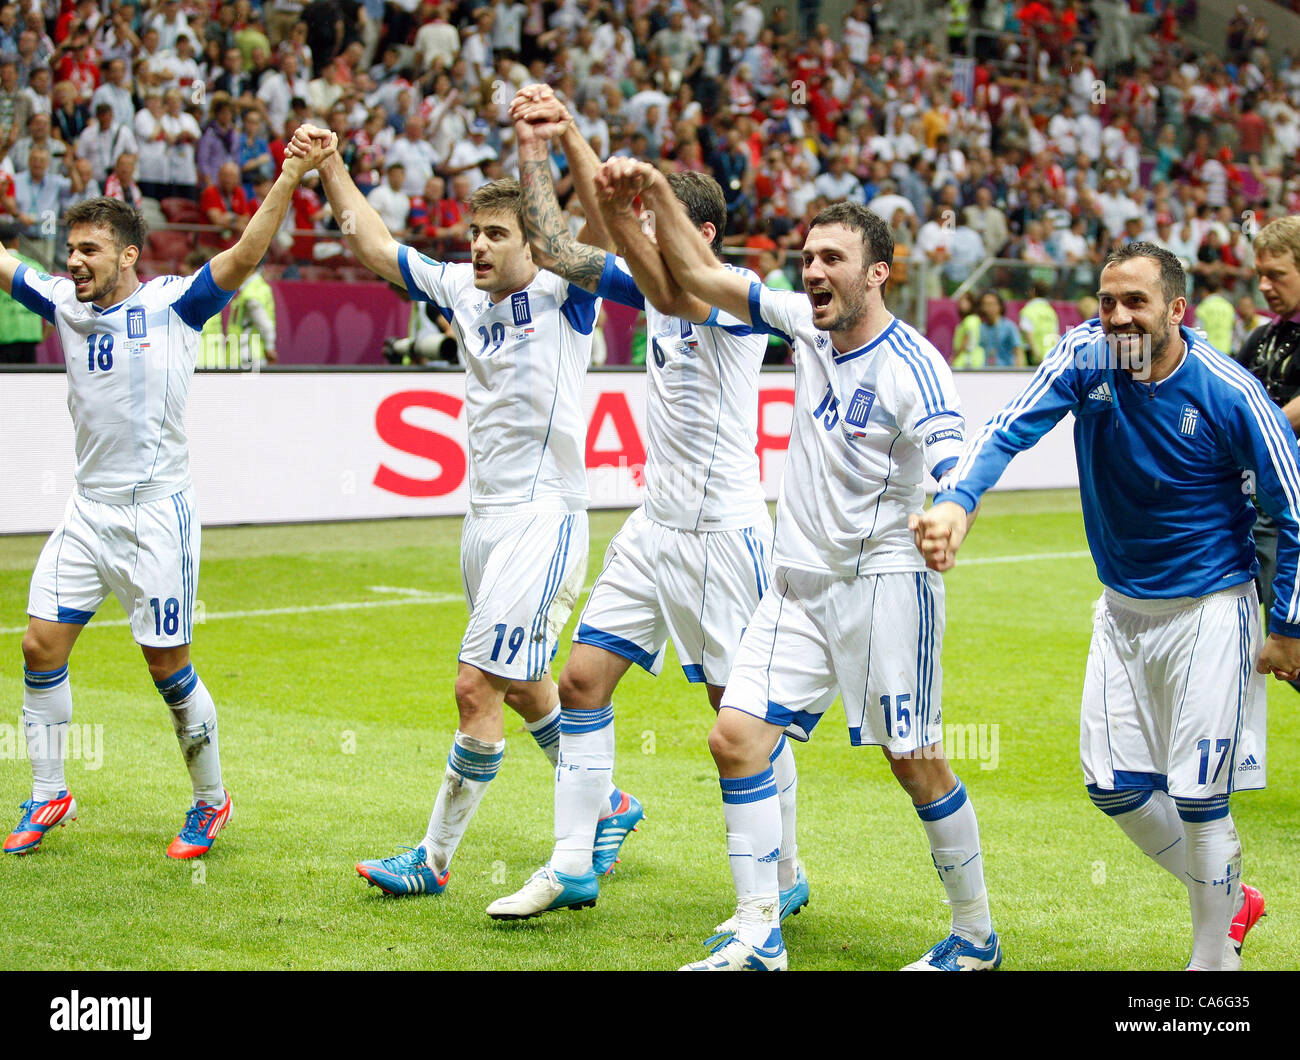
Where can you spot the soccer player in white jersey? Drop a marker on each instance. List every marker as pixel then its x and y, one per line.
pixel 693 560
pixel 526 336
pixel 131 527
pixel 851 609
pixel 1171 438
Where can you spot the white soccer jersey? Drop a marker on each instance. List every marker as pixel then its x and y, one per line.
pixel 525 358
pixel 701 468
pixel 868 424
pixel 129 370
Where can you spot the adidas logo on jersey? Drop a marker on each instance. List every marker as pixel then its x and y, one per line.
pixel 1101 393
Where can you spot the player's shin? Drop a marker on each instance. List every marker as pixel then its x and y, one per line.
pixel 1151 820
pixel 954 838
pixel 752 812
pixel 47 710
pixel 582 783
pixel 194 718
pixel 1214 876
pixel 787 789
pixel 471 765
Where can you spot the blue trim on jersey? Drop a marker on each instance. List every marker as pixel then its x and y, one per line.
pixel 618 286
pixel 74 617
pixel 694 673
pixel 1244 678
pixel 405 267
pixel 761 326
pixel 841 358
pixel 202 300
pixel 579 309
pixel 943 467
pixel 617 645
pixel 945 806
pixel 923 370
pixel 740 790
pixel 712 318
pixel 776 751
pixel 29 297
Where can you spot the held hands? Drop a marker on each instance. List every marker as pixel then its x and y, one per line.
pixel 538 114
pixel 938 533
pixel 621 180
pixel 309 147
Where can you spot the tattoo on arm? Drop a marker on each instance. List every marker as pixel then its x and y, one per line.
pixel 543 223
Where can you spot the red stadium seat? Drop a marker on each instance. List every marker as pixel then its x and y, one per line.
pixel 182 211
pixel 172 246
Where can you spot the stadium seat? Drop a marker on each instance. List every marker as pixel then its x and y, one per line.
pixel 182 211
pixel 171 246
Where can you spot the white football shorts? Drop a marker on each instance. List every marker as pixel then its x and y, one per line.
pixel 874 639
pixel 1171 700
pixel 146 554
pixel 522 576
pixel 698 587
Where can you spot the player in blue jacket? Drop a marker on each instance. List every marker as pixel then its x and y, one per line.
pixel 1172 438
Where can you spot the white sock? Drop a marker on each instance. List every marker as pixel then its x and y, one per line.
pixel 1151 820
pixel 194 718
pixel 581 785
pixel 787 788
pixel 752 812
pixel 471 765
pixel 546 731
pixel 1213 876
pixel 955 847
pixel 47 710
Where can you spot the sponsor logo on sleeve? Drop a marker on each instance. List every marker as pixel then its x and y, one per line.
pixel 950 433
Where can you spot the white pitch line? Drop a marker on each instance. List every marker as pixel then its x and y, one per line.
pixel 417 596
pixel 1027 557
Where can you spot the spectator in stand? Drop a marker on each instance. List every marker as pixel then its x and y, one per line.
pixel 38 135
pixel 988 221
pixel 152 138
pixel 102 142
pixel 116 92
pixel 255 163
pixel 224 205
pixel 391 203
pixel 121 182
pixel 41 197
pixel 220 141
pixel 1004 347
pixel 416 155
pixel 278 89
pixel 183 135
pixel 468 156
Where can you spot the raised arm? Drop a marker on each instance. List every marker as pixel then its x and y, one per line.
pixel 8 270
pixel 232 267
pixel 553 245
pixel 690 262
pixel 366 234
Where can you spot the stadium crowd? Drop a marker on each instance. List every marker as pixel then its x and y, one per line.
pixel 1035 131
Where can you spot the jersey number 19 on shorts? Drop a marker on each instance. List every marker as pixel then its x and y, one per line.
pixel 516 641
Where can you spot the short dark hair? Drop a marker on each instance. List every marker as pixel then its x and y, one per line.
pixel 1173 280
pixel 877 239
pixel 701 195
pixel 126 223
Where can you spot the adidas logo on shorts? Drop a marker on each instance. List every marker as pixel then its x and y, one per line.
pixel 1248 765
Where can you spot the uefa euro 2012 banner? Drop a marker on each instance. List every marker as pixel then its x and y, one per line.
pixel 274 447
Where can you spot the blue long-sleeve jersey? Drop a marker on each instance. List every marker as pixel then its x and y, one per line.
pixel 1166 469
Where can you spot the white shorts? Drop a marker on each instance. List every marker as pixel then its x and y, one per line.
pixel 147 555
pixel 1171 700
pixel 522 576
pixel 699 587
pixel 875 639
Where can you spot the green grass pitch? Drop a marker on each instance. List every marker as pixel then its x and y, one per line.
pixel 335 699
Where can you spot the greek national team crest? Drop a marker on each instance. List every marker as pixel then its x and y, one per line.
pixel 1190 417
pixel 519 307
pixel 859 410
pixel 135 328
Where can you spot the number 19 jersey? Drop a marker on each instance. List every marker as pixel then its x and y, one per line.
pixel 525 357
